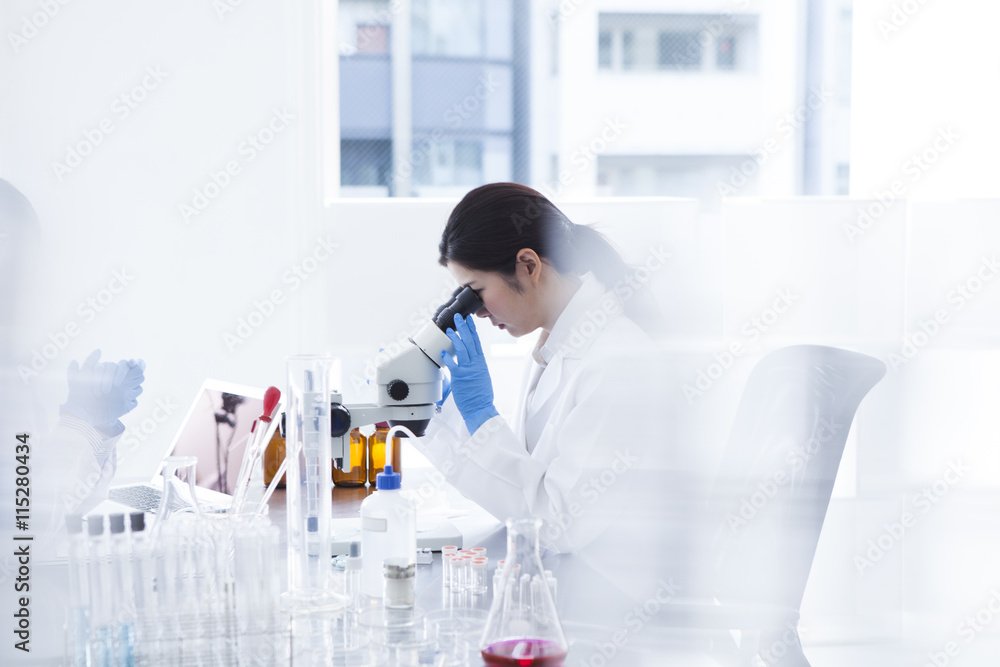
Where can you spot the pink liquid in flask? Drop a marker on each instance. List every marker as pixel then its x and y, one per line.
pixel 524 653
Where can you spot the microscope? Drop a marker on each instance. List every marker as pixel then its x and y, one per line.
pixel 409 382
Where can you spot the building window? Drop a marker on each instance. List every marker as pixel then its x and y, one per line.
pixel 365 162
pixel 678 50
pixel 373 38
pixel 628 49
pixel 449 163
pixel 843 180
pixel 677 42
pixel 725 53
pixel 604 49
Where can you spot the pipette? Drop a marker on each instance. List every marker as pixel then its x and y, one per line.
pixel 254 448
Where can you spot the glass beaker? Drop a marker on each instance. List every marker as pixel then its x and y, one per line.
pixel 522 627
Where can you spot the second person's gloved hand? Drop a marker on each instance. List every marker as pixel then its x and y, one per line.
pixel 470 378
pixel 101 392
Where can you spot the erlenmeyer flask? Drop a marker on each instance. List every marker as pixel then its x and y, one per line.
pixel 178 471
pixel 523 628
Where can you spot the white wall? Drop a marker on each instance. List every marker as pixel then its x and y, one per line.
pixel 222 76
pixel 922 68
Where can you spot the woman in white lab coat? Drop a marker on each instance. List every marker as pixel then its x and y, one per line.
pixel 574 451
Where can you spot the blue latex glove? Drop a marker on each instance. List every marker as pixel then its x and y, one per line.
pixel 470 378
pixel 445 388
pixel 101 392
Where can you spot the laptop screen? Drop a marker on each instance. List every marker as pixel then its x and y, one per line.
pixel 216 429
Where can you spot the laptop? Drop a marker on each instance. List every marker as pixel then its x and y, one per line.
pixel 215 430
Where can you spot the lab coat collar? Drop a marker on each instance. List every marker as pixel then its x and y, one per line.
pixel 587 312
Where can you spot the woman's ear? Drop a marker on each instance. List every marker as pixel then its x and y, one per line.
pixel 530 263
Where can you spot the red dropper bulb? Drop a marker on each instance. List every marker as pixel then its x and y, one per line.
pixel 271 397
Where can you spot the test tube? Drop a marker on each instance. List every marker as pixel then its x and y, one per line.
pixel 143 580
pixel 100 594
pixel 446 553
pixel 123 599
pixel 455 570
pixel 550 579
pixel 478 552
pixel 79 593
pixel 477 575
pixel 352 576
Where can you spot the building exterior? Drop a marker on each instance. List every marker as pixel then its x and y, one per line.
pixel 689 98
pixel 428 92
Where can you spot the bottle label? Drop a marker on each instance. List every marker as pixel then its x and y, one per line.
pixel 374 524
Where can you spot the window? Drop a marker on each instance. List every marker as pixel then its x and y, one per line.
pixel 677 42
pixel 843 180
pixel 678 50
pixel 725 53
pixel 373 38
pixel 365 162
pixel 628 49
pixel 604 49
pixel 449 28
pixel 449 163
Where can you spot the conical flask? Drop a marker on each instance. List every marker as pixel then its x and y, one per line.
pixel 523 628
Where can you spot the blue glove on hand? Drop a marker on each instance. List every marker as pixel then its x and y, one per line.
pixel 101 392
pixel 470 378
pixel 445 389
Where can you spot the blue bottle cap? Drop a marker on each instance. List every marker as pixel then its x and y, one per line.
pixel 387 480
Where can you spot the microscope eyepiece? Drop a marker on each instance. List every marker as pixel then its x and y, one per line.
pixel 464 302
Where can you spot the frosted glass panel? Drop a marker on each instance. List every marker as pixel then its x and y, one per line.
pixel 954 272
pixel 813 270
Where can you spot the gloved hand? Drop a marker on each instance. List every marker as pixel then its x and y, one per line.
pixel 445 388
pixel 101 392
pixel 470 378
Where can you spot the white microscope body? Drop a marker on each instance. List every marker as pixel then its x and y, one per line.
pixel 408 382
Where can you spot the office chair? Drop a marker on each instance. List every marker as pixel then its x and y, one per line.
pixel 770 496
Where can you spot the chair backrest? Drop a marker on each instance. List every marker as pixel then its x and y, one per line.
pixel 774 484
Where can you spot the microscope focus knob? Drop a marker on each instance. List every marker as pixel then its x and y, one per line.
pixel 398 390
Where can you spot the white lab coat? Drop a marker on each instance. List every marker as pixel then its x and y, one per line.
pixel 570 455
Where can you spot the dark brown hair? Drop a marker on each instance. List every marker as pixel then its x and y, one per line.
pixel 494 221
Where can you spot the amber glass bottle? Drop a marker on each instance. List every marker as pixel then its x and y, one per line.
pixel 359 453
pixel 376 452
pixel 274 454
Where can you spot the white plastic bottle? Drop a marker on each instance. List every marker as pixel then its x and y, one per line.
pixel 388 530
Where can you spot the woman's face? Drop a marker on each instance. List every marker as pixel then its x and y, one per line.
pixel 512 311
